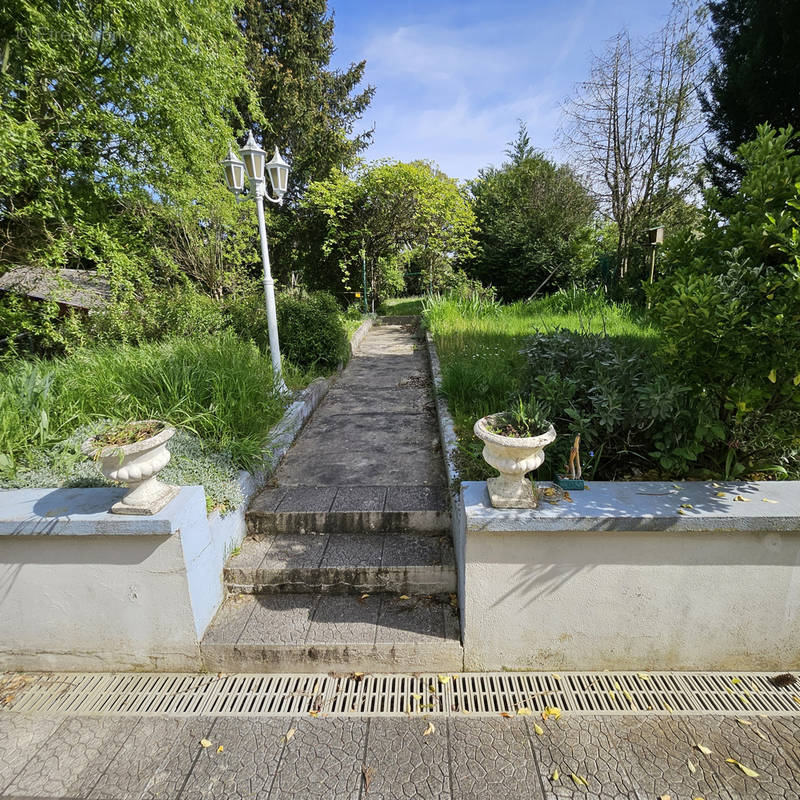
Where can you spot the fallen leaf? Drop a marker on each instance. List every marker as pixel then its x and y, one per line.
pixel 578 780
pixel 555 776
pixel 721 494
pixel 205 743
pixel 404 597
pixel 568 497
pixel 357 676
pixel 454 600
pixel 667 707
pixel 551 711
pixel 767 500
pixel 691 765
pixel 675 486
pixel 289 735
pixel 363 598
pixel 664 797
pixel 220 749
pixel 761 734
pixel 744 699
pixel 681 511
pixel 444 678
pixel 751 773
pixel 506 714
pixel 429 730
pixel 686 505
pixel 796 698
pixel 735 680
pixel 556 676
pixel 740 499
pixel 743 721
pixel 316 688
pixel 524 711
pixel 538 729
pixel 367 773
pixel 643 675
pixel 716 485
pixel 703 749
pixel 417 697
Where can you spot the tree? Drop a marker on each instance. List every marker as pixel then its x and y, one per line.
pixel 634 126
pixel 533 218
pixel 755 79
pixel 391 214
pixel 108 113
pixel 305 107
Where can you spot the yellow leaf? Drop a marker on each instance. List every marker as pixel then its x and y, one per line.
pixel 429 730
pixel 205 743
pixel 751 773
pixel 404 597
pixel 675 485
pixel 743 721
pixel 524 711
pixel 555 776
pixel 761 734
pixel 741 499
pixel 364 596
pixel 358 674
pixel 578 780
pixel 551 711
pixel 744 699
pixel 628 697
pixel 796 379
pixel 220 749
pixel 735 680
pixel 556 676
pixel 643 675
pixel 314 714
pixel 444 678
pixel 612 695
pixel 538 729
pixel 691 765
pixel 767 500
pixel 686 505
pixel 681 511
pixel 773 375
pixel 796 699
pixel 716 485
pixel 667 707
pixel 703 749
pixel 417 697
pixel 289 735
pixel 720 494
pixel 664 797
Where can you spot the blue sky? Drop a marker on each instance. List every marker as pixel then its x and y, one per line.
pixel 452 78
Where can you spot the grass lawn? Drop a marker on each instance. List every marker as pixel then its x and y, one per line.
pixel 479 349
pixel 401 306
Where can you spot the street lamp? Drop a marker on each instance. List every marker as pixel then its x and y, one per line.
pixel 252 163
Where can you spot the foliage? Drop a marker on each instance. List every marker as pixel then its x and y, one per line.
pixel 614 392
pixel 312 331
pixel 633 128
pixel 215 386
pixel 108 113
pixel 525 418
pixel 401 306
pixel 755 79
pixel 533 219
pixel 192 463
pixel 483 369
pixel 730 309
pixel 388 214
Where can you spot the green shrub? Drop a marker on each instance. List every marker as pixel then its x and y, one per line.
pixel 312 332
pixel 615 393
pixel 730 308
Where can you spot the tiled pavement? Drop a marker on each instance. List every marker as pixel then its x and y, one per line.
pixel 360 758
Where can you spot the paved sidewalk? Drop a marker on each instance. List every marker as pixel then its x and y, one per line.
pixel 641 758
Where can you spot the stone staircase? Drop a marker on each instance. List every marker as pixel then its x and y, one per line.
pixel 355 572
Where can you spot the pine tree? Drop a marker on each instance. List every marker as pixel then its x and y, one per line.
pixel 311 109
pixel 755 79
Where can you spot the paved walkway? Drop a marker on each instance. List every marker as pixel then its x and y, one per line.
pixel 348 564
pixel 382 758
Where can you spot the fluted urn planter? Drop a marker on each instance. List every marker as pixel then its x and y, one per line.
pixel 136 465
pixel 512 457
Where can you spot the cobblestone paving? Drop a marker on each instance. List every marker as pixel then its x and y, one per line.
pixel 383 758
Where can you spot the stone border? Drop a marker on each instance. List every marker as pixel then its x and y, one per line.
pixel 449 442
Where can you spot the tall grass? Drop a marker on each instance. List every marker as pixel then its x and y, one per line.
pixel 479 343
pixel 216 386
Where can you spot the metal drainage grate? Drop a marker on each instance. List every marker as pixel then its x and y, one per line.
pixel 485 694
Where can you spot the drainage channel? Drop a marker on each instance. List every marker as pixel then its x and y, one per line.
pixel 481 694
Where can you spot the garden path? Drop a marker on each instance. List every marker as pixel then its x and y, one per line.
pixel 348 563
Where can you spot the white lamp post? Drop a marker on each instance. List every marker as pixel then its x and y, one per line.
pixel 252 163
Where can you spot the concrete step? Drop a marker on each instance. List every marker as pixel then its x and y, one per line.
pixel 352 509
pixel 320 633
pixel 342 563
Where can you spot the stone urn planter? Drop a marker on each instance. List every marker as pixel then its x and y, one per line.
pixel 136 465
pixel 512 457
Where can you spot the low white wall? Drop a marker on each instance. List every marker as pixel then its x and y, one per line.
pixel 81 588
pixel 621 579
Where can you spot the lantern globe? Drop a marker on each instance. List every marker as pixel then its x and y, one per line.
pixel 278 171
pixel 253 157
pixel 234 172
